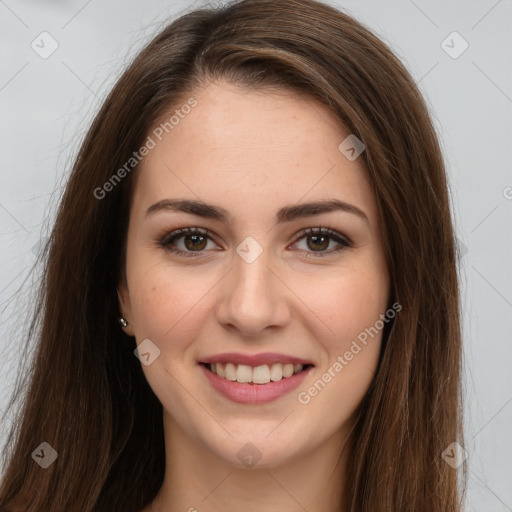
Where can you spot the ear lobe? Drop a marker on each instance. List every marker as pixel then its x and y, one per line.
pixel 123 298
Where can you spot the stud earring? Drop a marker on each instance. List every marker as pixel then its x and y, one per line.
pixel 122 321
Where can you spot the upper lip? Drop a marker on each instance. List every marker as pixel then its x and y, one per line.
pixel 254 359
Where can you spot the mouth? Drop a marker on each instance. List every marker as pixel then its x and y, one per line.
pixel 255 375
pixel 253 385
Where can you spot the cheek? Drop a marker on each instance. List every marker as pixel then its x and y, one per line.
pixel 351 308
pixel 346 303
pixel 167 302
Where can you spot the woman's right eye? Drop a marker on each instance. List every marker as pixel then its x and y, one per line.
pixel 194 240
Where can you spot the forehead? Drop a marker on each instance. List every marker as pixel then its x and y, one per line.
pixel 250 149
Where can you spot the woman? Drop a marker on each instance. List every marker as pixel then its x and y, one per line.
pixel 250 299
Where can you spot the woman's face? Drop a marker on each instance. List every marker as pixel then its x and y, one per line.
pixel 252 289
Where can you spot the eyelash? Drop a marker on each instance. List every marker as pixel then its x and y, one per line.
pixel 169 238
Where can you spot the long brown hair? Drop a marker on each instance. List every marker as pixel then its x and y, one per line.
pixel 86 394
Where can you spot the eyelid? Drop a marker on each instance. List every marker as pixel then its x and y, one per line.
pixel 324 231
pixel 176 233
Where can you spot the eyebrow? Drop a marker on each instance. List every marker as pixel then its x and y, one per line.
pixel 285 214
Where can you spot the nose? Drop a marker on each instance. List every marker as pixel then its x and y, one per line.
pixel 253 298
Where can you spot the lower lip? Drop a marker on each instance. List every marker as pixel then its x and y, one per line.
pixel 254 393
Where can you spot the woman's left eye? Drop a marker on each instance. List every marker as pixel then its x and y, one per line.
pixel 195 240
pixel 322 236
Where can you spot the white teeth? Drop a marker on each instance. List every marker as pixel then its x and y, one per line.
pixel 287 370
pixel 230 371
pixel 243 373
pixel 276 372
pixel 220 370
pixel 262 374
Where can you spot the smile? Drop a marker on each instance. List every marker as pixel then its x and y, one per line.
pixel 262 374
pixel 254 379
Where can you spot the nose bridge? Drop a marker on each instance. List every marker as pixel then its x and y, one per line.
pixel 252 278
pixel 253 296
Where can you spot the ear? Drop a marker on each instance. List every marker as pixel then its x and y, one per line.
pixel 125 308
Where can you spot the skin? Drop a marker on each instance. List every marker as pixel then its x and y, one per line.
pixel 253 152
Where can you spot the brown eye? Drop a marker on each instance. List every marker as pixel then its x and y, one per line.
pixel 197 242
pixel 194 241
pixel 320 242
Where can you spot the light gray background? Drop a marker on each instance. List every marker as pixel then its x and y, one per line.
pixel 47 104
